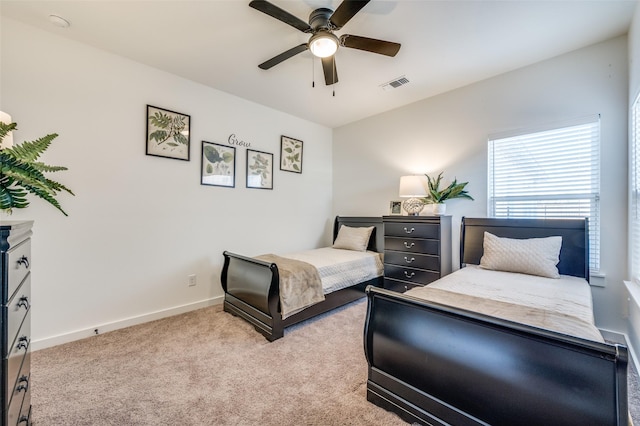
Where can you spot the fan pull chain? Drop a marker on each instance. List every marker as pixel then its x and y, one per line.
pixel 313 73
pixel 334 75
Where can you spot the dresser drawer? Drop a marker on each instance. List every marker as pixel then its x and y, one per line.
pixel 412 245
pixel 25 412
pixel 397 285
pixel 17 309
pixel 413 230
pixel 412 275
pixel 18 265
pixel 21 397
pixel 412 260
pixel 19 355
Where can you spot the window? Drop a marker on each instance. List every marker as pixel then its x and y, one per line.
pixel 634 214
pixel 551 173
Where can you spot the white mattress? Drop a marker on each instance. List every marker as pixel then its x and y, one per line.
pixel 567 295
pixel 339 268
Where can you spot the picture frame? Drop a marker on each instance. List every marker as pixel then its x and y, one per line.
pixel 218 165
pixel 259 169
pixel 290 154
pixel 395 208
pixel 168 133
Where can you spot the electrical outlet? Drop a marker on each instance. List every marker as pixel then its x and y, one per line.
pixel 192 280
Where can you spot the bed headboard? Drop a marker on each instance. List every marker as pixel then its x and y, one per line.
pixel 574 254
pixel 376 241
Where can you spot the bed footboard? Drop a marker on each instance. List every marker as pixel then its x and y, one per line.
pixel 251 292
pixel 438 365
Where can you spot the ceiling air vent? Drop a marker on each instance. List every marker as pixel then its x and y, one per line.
pixel 394 84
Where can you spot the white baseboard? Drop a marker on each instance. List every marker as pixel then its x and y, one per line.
pixel 127 322
pixel 614 336
pixel 632 354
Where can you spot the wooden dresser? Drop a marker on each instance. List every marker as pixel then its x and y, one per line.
pixel 417 250
pixel 15 329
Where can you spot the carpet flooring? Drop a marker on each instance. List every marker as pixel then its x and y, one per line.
pixel 207 367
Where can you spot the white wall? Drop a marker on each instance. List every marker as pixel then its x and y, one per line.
pixel 139 225
pixel 449 133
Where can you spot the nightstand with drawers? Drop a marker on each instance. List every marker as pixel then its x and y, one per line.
pixel 15 328
pixel 417 250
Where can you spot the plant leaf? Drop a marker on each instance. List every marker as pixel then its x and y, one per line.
pixel 211 154
pixel 20 174
pixel 159 135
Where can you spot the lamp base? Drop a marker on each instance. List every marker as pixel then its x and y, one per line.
pixel 413 206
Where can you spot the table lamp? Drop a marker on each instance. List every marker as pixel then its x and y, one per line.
pixel 412 187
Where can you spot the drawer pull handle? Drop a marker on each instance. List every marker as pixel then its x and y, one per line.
pixel 409 260
pixel 409 275
pixel 24 260
pixel 407 245
pixel 23 302
pixel 23 343
pixel 23 387
pixel 409 231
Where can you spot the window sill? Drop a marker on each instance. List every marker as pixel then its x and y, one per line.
pixel 597 279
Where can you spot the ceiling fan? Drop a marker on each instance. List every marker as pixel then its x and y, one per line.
pixel 323 43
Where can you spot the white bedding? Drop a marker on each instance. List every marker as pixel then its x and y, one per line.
pixel 541 300
pixel 339 268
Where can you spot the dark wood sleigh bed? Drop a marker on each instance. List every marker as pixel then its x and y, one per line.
pixel 438 365
pixel 251 286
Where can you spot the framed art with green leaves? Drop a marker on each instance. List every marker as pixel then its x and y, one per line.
pixel 259 169
pixel 290 154
pixel 218 165
pixel 168 133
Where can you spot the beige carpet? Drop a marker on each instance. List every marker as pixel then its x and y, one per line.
pixel 209 368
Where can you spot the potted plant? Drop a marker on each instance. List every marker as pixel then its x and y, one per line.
pixel 437 196
pixel 21 174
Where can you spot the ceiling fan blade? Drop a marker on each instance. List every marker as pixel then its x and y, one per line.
pixel 283 56
pixel 346 11
pixel 370 44
pixel 330 70
pixel 280 14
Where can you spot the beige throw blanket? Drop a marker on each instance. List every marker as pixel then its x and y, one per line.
pixel 300 284
pixel 537 317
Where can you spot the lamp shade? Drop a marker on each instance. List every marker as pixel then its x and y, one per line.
pixel 7 142
pixel 412 186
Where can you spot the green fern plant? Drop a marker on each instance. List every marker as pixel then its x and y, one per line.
pixel 454 190
pixel 21 174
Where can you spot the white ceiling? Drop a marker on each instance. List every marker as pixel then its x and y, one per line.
pixel 445 44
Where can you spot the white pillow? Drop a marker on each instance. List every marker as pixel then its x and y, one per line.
pixel 350 238
pixel 533 256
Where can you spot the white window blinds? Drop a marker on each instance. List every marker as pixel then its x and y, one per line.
pixel 549 174
pixel 635 191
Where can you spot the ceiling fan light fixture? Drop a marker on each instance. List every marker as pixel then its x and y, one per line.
pixel 323 44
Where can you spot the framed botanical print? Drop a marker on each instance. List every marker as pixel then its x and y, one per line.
pixel 218 166
pixel 290 154
pixel 259 169
pixel 168 133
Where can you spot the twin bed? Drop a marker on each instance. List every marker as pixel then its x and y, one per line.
pixel 436 363
pixel 253 285
pixel 480 346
